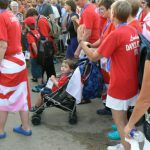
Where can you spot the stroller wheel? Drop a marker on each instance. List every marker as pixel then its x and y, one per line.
pixel 36 119
pixel 73 119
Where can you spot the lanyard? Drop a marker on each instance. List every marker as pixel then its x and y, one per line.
pixel 2 10
pixel 122 24
pixel 82 10
pixel 106 26
pixel 69 19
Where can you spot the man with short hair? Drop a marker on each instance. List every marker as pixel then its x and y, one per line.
pixel 45 9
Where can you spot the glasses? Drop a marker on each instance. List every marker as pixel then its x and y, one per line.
pixel 102 9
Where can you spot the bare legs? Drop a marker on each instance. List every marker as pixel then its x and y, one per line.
pixel 120 118
pixel 24 116
pixel 3 119
pixel 24 119
pixel 39 101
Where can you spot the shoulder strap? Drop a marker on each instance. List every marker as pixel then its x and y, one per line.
pixel 31 33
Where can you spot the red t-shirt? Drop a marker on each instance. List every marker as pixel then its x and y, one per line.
pixel 10 31
pixel 136 24
pixel 122 46
pixel 62 80
pixel 44 29
pixel 31 39
pixel 102 24
pixel 90 18
pixel 109 29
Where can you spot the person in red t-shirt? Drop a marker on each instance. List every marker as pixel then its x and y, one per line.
pixel 90 19
pixel 54 84
pixel 106 26
pixel 131 20
pixel 105 8
pixel 44 30
pixel 122 46
pixel 14 90
pixel 32 38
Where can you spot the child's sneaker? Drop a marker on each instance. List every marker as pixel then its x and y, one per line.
pixel 38 88
pixel 116 147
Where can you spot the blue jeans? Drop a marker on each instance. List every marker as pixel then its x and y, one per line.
pixel 72 47
pixel 36 69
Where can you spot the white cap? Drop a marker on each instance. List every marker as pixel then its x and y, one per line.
pixel 14 3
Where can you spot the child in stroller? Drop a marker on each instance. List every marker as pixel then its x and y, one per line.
pixel 51 95
pixel 86 80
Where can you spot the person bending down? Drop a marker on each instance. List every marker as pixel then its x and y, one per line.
pixel 54 84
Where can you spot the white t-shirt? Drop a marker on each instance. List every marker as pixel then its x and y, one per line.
pixel 55 11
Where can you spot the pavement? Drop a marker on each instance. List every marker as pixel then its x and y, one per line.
pixel 55 133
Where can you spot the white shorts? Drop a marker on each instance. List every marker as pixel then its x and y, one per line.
pixel 118 104
pixel 146 145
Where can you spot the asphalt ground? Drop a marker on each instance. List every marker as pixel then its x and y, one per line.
pixel 55 133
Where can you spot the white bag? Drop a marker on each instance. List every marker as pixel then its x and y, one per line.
pixel 134 144
pixel 27 55
pixel 49 84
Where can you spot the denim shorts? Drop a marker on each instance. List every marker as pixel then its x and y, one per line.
pixel 45 90
pixel 36 69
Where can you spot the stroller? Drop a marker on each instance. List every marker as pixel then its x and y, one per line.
pixel 60 99
pixel 65 100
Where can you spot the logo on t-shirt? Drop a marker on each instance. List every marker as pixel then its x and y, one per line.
pixel 134 44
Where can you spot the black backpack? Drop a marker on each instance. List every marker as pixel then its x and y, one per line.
pixel 144 48
pixel 45 49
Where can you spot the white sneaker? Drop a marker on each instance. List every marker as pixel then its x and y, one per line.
pixel 116 147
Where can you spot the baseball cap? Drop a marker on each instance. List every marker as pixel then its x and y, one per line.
pixel 30 21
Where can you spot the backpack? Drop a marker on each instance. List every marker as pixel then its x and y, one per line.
pixel 45 49
pixel 144 48
pixel 55 29
pixel 92 79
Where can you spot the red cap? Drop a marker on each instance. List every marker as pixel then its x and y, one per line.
pixel 30 21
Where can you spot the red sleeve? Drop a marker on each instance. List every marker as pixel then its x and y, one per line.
pixel 61 82
pixel 108 46
pixel 87 19
pixel 43 26
pixel 3 30
pixel 30 39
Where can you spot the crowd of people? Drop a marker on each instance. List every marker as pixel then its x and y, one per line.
pixel 104 31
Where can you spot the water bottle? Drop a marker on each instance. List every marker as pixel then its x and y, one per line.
pixel 137 135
